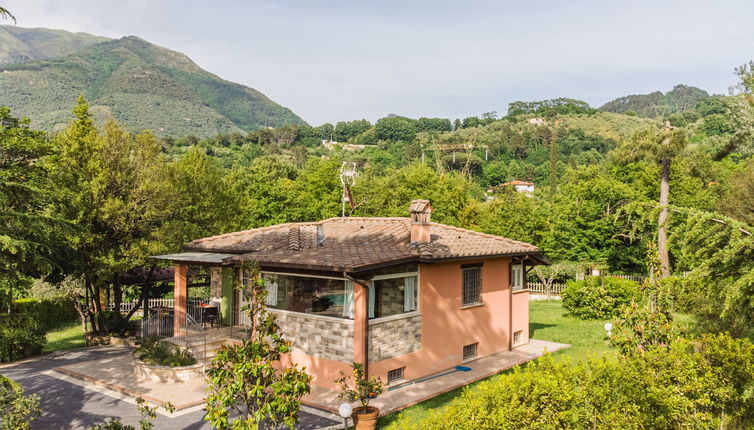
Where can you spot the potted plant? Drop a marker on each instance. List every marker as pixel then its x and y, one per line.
pixel 359 387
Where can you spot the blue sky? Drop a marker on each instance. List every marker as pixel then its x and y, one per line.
pixel 343 60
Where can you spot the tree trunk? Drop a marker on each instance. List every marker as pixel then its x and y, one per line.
pixel 662 233
pixel 92 304
pixel 554 162
pixel 117 296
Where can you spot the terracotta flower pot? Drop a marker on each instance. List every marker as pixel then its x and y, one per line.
pixel 365 418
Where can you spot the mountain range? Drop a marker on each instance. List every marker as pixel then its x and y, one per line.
pixel 142 85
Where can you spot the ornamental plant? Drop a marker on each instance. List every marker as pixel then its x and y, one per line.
pixel 247 379
pixel 358 387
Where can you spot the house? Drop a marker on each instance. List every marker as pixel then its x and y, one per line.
pixel 518 186
pixel 406 296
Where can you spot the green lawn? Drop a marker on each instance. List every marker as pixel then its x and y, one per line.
pixel 547 321
pixel 66 337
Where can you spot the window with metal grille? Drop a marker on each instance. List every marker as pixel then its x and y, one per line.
pixel 517 337
pixel 472 284
pixel 395 375
pixel 517 277
pixel 469 351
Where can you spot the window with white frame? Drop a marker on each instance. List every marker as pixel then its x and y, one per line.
pixel 472 284
pixel 517 277
pixel 392 295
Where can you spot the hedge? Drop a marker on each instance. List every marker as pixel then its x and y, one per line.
pixel 598 298
pixel 48 313
pixel 20 337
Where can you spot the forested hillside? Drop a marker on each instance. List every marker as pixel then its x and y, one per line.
pixel 143 86
pixel 18 44
pixel 658 105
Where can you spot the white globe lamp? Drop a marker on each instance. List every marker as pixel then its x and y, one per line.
pixel 345 410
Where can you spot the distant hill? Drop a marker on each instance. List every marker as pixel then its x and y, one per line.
pixel 18 44
pixel 143 85
pixel 658 105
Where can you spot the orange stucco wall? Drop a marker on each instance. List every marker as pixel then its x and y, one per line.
pixel 323 371
pixel 521 316
pixel 447 327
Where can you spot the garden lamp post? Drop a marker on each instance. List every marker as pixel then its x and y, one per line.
pixel 609 329
pixel 345 410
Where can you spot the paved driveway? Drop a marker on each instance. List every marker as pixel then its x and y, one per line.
pixel 69 403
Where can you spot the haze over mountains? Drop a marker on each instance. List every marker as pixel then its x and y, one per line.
pixel 142 85
pixel 145 86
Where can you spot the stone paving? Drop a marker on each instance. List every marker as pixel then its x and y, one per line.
pixel 413 393
pixel 85 386
pixel 73 403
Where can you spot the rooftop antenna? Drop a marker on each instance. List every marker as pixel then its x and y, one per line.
pixel 348 175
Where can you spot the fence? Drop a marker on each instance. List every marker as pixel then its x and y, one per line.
pixel 557 288
pixel 192 306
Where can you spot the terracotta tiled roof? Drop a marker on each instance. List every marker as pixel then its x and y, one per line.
pixel 353 244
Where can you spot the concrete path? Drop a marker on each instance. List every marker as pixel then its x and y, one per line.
pixel 413 393
pixel 71 403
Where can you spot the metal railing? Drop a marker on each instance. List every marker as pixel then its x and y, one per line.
pixel 190 335
pixel 126 307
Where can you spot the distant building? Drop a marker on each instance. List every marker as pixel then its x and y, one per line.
pixel 536 121
pixel 518 186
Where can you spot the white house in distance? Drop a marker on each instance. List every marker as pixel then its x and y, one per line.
pixel 519 186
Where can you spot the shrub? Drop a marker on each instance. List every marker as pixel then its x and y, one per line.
pixel 155 351
pixel 598 298
pixel 699 383
pixel 17 411
pixel 48 313
pixel 20 337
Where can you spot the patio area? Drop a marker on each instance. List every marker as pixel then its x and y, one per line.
pixel 413 393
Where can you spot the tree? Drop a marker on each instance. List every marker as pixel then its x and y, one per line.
pixel 5 14
pixel 660 148
pixel 247 378
pixel 547 275
pixel 30 238
pixel 395 129
pixel 114 187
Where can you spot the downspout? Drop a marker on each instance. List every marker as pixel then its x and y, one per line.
pixel 364 284
pixel 510 306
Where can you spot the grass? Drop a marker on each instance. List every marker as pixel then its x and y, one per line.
pixel 66 337
pixel 547 321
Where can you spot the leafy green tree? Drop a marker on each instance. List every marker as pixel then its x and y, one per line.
pixel 17 410
pixel 514 215
pixel 113 187
pixel 661 148
pixel 247 379
pixel 30 237
pixel 588 223
pixel 395 129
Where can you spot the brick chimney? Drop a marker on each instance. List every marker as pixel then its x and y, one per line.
pixel 420 212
